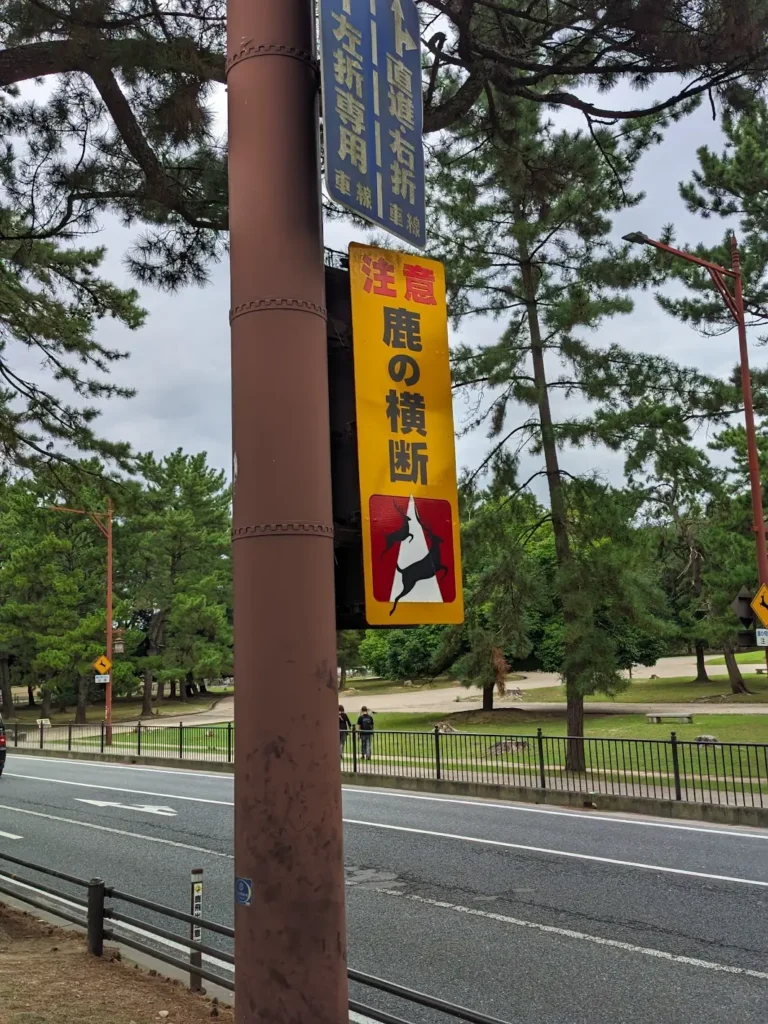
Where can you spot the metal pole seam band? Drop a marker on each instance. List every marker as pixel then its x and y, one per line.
pixel 272 50
pixel 265 305
pixel 283 530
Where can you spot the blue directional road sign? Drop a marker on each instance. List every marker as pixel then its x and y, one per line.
pixel 372 112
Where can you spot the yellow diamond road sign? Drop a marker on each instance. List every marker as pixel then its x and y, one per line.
pixel 760 605
pixel 102 664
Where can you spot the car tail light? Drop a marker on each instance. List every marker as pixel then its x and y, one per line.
pixel 2 740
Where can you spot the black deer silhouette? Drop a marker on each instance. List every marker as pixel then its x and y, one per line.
pixel 402 533
pixel 425 569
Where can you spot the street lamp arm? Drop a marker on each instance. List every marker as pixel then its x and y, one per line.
pixel 639 238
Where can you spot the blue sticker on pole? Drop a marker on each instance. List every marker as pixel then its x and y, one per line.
pixel 373 116
pixel 243 892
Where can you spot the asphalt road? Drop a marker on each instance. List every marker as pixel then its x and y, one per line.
pixel 529 914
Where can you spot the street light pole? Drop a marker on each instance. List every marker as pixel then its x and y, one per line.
pixel 290 945
pixel 734 301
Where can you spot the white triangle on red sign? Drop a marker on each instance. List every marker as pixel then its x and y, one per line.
pixel 425 591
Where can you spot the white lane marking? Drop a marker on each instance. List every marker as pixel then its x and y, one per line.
pixel 10 835
pixel 115 924
pixel 732 833
pixel 126 767
pixel 561 853
pixel 116 831
pixel 165 812
pixel 122 789
pixel 358 1018
pixel 569 933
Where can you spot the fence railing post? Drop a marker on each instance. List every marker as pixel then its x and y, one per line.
pixel 542 772
pixel 676 767
pixel 438 773
pixel 138 740
pixel 69 736
pixel 96 917
pixel 195 931
pixel 181 741
pixel 354 749
pixel 16 735
pixel 42 734
pixel 229 742
pixel 102 737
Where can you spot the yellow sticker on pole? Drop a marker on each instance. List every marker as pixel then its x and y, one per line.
pixel 405 439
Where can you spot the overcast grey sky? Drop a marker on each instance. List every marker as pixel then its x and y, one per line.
pixel 179 361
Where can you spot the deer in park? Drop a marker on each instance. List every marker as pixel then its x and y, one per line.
pixel 402 533
pixel 426 568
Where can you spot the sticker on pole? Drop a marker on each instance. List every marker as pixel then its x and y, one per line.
pixel 243 892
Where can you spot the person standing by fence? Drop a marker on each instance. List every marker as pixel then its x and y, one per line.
pixel 365 725
pixel 345 725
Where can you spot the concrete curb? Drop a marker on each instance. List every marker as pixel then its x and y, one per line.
pixel 719 814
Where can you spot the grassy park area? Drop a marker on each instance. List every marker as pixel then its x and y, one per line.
pixel 679 690
pixel 124 709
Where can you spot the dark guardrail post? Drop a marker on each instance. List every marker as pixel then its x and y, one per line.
pixel 195 931
pixel 138 740
pixel 354 749
pixel 69 736
pixel 540 745
pixel 229 742
pixel 16 735
pixel 676 767
pixel 96 917
pixel 437 752
pixel 102 738
pixel 181 741
pixel 42 734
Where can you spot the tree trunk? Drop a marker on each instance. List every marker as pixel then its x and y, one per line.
pixel 45 711
pixel 574 698
pixel 342 677
pixel 202 687
pixel 488 697
pixel 160 695
pixel 185 687
pixel 172 694
pixel 6 693
pixel 146 700
pixel 81 711
pixel 574 753
pixel 701 667
pixel 31 696
pixel 734 672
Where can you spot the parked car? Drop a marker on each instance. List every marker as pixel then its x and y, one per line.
pixel 3 744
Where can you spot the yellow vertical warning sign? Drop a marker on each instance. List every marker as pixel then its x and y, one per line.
pixel 405 439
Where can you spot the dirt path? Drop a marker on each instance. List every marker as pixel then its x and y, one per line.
pixel 47 977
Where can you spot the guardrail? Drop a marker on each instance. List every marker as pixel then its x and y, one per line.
pixel 95 917
pixel 703 772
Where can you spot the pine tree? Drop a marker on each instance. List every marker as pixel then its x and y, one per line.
pixel 523 221
pixel 51 303
pixel 126 123
pixel 177 527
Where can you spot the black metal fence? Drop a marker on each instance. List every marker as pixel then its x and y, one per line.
pixel 707 772
pixel 88 907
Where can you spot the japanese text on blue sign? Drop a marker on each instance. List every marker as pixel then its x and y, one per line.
pixel 372 112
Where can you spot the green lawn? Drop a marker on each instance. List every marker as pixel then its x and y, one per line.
pixel 124 710
pixel 674 691
pixel 509 721
pixel 375 685
pixel 747 658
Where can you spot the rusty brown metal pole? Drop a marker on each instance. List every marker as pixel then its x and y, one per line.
pixel 108 694
pixel 290 946
pixel 749 420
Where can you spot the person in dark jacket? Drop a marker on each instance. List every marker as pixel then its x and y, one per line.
pixel 365 725
pixel 344 726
